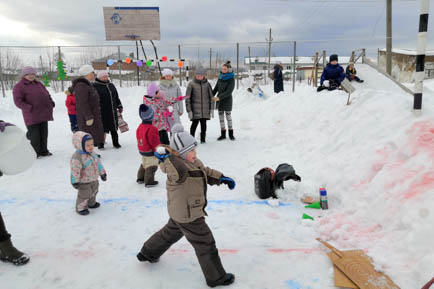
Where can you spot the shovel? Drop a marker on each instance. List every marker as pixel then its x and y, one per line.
pixel 357 267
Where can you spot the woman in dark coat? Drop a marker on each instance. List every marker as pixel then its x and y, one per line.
pixel 110 104
pixel 87 104
pixel 224 88
pixel 278 78
pixel 36 104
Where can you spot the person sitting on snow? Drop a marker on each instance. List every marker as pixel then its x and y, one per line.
pixel 333 75
pixel 256 90
pixel 351 73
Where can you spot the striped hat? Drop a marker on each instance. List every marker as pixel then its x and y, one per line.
pixel 182 142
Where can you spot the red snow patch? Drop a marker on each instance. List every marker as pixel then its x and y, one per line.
pixel 291 250
pixel 420 186
pixel 61 252
pixel 422 137
pixel 228 251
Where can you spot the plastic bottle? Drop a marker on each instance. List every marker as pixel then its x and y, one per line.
pixel 323 198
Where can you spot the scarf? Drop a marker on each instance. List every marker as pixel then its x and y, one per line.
pixel 226 76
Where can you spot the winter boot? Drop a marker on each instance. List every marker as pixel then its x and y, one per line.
pixel 83 212
pixel 96 205
pixel 141 175
pixel 202 137
pixel 143 258
pixel 231 134
pixel 115 139
pixel 226 280
pixel 8 253
pixel 223 136
pixel 149 177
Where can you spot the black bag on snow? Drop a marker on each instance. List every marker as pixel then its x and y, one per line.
pixel 264 183
pixel 267 180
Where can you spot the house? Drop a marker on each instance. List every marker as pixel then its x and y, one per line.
pixel 404 63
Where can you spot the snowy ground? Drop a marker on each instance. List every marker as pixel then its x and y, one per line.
pixel 375 157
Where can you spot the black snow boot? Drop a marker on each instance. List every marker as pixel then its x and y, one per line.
pixel 83 212
pixel 96 205
pixel 115 139
pixel 8 253
pixel 202 137
pixel 141 175
pixel 223 136
pixel 149 177
pixel 226 280
pixel 231 134
pixel 143 258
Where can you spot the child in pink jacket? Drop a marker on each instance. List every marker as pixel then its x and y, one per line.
pixel 86 167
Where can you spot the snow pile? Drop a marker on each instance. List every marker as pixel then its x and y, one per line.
pixel 375 157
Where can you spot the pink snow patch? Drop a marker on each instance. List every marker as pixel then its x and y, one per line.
pixel 420 187
pixel 422 137
pixel 291 250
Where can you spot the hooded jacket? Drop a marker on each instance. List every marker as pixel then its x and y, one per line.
pixel 85 167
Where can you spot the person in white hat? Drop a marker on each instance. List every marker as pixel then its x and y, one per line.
pixel 171 89
pixel 88 107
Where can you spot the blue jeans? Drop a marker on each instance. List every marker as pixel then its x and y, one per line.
pixel 73 121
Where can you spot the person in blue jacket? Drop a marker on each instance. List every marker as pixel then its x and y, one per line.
pixel 278 77
pixel 351 72
pixel 333 74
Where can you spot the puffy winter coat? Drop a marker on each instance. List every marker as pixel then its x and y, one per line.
pixel 34 100
pixel 333 71
pixel 147 138
pixel 87 104
pixel 350 71
pixel 109 102
pixel 161 115
pixel 200 100
pixel 278 79
pixel 223 90
pixel 172 90
pixel 85 167
pixel 186 188
pixel 70 104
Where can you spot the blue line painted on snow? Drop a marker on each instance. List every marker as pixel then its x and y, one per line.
pixel 295 285
pixel 148 204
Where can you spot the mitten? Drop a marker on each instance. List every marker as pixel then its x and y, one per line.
pixel 228 181
pixel 104 177
pixel 54 104
pixel 76 186
pixel 326 83
pixel 89 122
pixel 161 153
pixel 296 178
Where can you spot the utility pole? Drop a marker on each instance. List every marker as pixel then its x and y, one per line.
pixel 389 38
pixel 210 58
pixel 269 40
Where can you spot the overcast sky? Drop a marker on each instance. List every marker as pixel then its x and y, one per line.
pixel 80 22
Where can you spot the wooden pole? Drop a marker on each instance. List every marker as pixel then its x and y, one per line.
pixel 238 65
pixel 1 76
pixel 293 66
pixel 120 65
pixel 389 38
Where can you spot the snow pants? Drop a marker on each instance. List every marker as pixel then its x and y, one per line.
pixel 86 195
pixel 4 235
pixel 198 234
pixel 38 136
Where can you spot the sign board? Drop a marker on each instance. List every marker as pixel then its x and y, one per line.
pixel 132 23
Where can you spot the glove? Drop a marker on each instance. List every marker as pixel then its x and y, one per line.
pixel 190 115
pixel 161 153
pixel 3 125
pixel 89 122
pixel 296 178
pixel 326 83
pixel 104 177
pixel 76 185
pixel 121 109
pixel 54 104
pixel 228 181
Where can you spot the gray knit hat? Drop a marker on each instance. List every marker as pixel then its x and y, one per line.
pixel 182 141
pixel 201 71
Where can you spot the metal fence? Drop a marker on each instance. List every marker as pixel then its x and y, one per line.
pixel 247 59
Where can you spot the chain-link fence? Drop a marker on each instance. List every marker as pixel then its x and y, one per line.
pixel 251 61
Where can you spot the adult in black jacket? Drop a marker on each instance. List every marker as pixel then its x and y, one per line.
pixel 110 104
pixel 278 77
pixel 224 88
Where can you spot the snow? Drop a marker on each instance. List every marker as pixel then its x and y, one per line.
pixel 409 51
pixel 375 157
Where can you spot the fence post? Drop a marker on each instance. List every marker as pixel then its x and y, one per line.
pixel 353 56
pixel 420 58
pixel 238 65
pixel 324 61
pixel 363 55
pixel 315 64
pixel 250 63
pixel 120 65
pixel 293 68
pixel 60 58
pixel 1 76
pixel 180 69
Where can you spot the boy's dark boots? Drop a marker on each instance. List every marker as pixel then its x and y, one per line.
pixel 231 134
pixel 8 253
pixel 141 175
pixel 115 139
pixel 223 136
pixel 202 137
pixel 143 258
pixel 149 177
pixel 226 280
